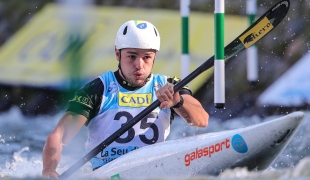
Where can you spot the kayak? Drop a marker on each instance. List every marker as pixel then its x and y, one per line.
pixel 255 147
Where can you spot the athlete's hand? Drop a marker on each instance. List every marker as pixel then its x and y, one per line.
pixel 167 97
pixel 50 174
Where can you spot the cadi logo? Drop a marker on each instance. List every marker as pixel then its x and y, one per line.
pixel 134 100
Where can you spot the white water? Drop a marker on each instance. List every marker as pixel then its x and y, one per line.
pixel 22 139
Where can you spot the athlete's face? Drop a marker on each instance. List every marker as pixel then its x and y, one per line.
pixel 136 64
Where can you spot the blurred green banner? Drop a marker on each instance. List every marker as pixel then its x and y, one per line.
pixel 63 48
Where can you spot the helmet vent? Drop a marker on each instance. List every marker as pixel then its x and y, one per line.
pixel 125 31
pixel 155 31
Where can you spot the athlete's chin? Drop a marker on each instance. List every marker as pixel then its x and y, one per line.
pixel 138 82
pixel 138 79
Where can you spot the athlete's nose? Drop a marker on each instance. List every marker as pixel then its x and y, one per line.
pixel 139 63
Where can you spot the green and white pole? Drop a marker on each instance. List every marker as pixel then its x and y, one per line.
pixel 185 58
pixel 252 62
pixel 219 61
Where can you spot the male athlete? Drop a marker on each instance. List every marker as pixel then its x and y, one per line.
pixel 114 98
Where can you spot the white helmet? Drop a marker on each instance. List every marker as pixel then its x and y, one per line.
pixel 137 34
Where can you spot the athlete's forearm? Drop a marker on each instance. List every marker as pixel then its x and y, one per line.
pixel 51 155
pixel 193 112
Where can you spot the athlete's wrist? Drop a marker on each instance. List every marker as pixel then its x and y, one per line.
pixel 179 104
pixel 50 173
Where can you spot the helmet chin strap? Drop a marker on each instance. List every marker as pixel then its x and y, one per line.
pixel 119 67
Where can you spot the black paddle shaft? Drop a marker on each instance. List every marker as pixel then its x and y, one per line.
pixel 274 15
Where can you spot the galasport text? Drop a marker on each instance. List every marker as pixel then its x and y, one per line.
pixel 207 151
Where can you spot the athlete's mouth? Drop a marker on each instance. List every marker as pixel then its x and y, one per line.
pixel 138 74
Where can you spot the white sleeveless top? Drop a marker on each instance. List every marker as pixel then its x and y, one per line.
pixel 119 106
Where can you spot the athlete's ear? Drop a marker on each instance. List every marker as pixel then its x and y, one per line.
pixel 117 54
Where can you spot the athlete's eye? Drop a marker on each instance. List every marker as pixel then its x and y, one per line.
pixel 147 57
pixel 132 57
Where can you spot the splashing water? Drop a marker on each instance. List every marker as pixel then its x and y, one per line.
pixel 22 140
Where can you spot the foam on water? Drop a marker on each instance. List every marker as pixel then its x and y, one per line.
pixel 22 139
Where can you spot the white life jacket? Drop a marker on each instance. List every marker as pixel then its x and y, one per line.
pixel 119 106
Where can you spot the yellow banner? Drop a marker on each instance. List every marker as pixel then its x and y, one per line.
pixel 62 47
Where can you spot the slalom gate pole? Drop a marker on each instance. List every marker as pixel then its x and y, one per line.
pixel 252 62
pixel 185 58
pixel 219 61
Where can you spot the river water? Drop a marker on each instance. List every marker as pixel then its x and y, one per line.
pixel 22 139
